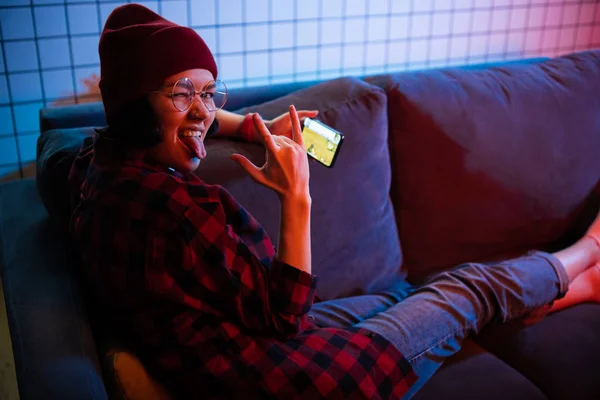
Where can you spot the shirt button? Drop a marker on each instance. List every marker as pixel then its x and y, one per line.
pixel 310 318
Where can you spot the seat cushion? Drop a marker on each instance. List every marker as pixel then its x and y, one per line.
pixel 474 373
pixel 355 246
pixel 488 164
pixel 560 354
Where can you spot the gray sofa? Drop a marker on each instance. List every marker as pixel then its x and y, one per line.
pixel 439 167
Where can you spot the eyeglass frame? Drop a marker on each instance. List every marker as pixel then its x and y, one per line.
pixel 194 94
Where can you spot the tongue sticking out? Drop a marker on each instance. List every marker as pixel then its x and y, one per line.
pixel 195 145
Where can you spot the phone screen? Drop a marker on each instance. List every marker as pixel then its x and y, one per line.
pixel 321 142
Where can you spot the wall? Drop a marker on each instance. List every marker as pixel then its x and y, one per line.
pixel 49 54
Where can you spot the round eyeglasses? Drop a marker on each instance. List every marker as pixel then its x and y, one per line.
pixel 213 94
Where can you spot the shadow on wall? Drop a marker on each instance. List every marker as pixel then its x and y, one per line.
pixel 90 94
pixel 28 172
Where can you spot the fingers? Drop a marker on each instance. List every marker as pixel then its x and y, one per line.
pixel 307 113
pixel 283 141
pixel 263 133
pixel 303 114
pixel 296 127
pixel 252 170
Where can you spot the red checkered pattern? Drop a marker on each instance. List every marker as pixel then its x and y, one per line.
pixel 191 281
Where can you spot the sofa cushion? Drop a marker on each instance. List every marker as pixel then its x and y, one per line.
pixel 355 245
pixel 56 151
pixel 487 164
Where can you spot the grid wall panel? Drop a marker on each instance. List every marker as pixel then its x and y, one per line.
pixel 48 48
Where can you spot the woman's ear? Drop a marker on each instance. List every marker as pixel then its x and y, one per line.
pixel 213 129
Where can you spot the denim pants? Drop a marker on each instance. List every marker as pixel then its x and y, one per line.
pixel 429 323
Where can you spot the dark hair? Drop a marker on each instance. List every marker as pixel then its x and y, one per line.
pixel 136 126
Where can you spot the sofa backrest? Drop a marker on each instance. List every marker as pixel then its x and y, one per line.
pixel 490 163
pixel 92 114
pixel 355 244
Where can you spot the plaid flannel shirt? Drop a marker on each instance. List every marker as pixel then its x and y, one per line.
pixel 191 281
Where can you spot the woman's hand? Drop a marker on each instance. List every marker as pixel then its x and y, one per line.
pixel 286 164
pixel 282 125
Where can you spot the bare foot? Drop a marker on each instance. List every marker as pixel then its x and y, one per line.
pixel 584 289
pixel 594 281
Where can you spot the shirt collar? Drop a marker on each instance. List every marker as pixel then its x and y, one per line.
pixel 109 151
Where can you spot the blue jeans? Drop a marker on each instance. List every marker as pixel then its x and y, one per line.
pixel 429 323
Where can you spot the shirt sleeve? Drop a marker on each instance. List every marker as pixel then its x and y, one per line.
pixel 246 131
pixel 204 264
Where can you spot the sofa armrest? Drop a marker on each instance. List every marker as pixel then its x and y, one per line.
pixel 72 116
pixel 54 350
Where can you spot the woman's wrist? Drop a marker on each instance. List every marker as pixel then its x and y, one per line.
pixel 294 232
pixel 298 201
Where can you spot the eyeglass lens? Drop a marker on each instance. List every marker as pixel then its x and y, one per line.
pixel 213 95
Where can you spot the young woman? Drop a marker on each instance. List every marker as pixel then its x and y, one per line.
pixel 193 282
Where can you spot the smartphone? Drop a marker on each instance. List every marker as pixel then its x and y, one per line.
pixel 321 142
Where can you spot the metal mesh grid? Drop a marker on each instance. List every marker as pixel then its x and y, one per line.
pixel 49 48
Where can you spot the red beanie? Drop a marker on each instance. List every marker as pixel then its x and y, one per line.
pixel 139 49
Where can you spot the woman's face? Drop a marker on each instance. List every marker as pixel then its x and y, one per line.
pixel 183 132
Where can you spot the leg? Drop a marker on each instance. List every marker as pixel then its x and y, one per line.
pixel 580 256
pixel 584 288
pixel 431 324
pixel 349 311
